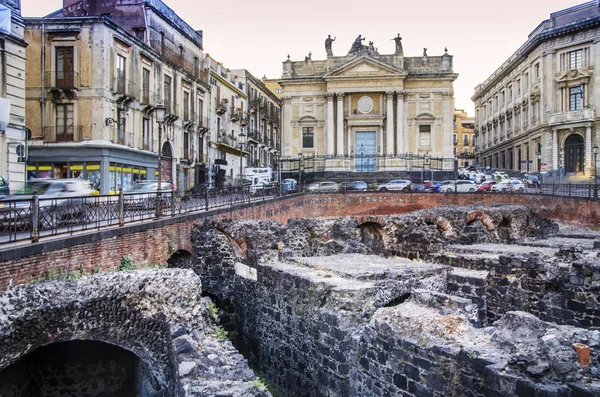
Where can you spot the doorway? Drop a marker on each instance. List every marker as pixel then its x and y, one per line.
pixel 365 154
pixel 574 154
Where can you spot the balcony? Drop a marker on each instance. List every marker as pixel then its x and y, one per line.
pixel 222 107
pixel 74 133
pixel 62 80
pixel 571 116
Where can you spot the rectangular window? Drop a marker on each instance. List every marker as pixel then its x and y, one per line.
pixel 167 93
pixel 454 139
pixel 575 59
pixel 65 67
pixel 536 70
pixel 145 86
pixel 121 126
pixel 64 122
pixel 424 136
pixel 146 133
pixel 519 87
pixel 465 139
pixel 308 138
pixel 510 93
pixel 526 82
pixel 186 144
pixel 121 62
pixel 575 98
pixel 201 113
pixel 186 106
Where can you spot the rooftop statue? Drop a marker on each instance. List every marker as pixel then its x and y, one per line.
pixel 328 42
pixel 398 41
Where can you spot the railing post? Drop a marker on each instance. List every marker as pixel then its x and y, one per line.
pixel 35 218
pixel 121 209
pixel 173 203
pixel 205 199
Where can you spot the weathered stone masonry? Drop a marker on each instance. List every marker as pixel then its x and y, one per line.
pixel 159 316
pixel 357 325
pixel 153 242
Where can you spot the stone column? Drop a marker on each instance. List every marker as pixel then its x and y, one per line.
pixel 389 130
pixel 555 149
pixel 447 123
pixel 329 127
pixel 588 150
pixel 340 124
pixel 400 148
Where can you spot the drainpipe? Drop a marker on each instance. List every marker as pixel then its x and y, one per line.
pixel 43 69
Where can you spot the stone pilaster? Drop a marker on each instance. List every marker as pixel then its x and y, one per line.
pixel 330 125
pixel 340 125
pixel 389 117
pixel 555 149
pixel 400 143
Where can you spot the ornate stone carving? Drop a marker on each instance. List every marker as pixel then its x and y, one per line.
pixel 365 104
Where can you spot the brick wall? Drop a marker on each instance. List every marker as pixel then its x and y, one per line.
pixel 152 243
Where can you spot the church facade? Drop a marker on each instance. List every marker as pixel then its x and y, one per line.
pixel 366 111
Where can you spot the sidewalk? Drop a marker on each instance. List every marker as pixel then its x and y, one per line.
pixel 570 179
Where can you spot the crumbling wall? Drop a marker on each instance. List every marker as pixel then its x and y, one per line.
pixel 159 316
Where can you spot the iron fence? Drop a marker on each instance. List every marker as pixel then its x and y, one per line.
pixel 38 217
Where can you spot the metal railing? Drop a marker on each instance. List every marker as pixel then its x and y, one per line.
pixel 39 217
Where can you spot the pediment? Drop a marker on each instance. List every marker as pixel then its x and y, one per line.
pixel 363 66
pixel 574 75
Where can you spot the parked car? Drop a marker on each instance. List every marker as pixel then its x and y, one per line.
pixel 355 185
pixel 323 187
pixel 401 185
pixel 4 190
pixel 532 181
pixel 458 186
pixel 432 186
pixel 61 201
pixel 142 196
pixel 289 186
pixel 486 186
pixel 511 185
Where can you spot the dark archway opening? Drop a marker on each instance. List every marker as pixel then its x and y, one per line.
pixel 181 259
pixel 79 368
pixel 372 235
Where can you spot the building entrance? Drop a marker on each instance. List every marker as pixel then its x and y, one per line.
pixel 574 154
pixel 365 154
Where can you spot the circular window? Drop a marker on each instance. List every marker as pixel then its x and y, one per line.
pixel 365 104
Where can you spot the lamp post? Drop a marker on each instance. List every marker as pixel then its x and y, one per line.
pixel 455 171
pixel 242 135
pixel 595 150
pixel 299 169
pixel 561 166
pixel 539 157
pixel 159 113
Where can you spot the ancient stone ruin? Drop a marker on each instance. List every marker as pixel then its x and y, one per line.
pixel 477 301
pixel 454 301
pixel 143 333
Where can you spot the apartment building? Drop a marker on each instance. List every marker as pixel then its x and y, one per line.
pixel 98 75
pixel 13 130
pixel 537 112
pixel 463 139
pixel 264 122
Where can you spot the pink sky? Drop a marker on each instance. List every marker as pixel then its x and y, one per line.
pixel 258 35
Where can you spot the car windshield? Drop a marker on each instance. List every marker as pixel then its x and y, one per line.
pixel 145 187
pixel 39 186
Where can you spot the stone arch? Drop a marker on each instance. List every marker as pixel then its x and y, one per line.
pixel 574 149
pixel 78 367
pixel 128 310
pixel 374 236
pixel 181 259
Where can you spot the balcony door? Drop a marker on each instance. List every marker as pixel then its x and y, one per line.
pixel 64 67
pixel 366 145
pixel 574 154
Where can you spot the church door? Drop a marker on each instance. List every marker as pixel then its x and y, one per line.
pixel 365 154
